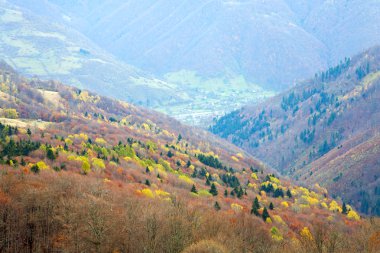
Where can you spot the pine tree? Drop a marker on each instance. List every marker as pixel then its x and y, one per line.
pixel 147 170
pixel 147 182
pixel 208 182
pixel 35 169
pixel 344 208
pixel 289 193
pixel 239 193
pixel 22 162
pixel 265 214
pixel 213 190
pixel 29 132
pixel 271 207
pixel 225 193
pixel 193 189
pixel 217 206
pixel 255 207
pixel 50 154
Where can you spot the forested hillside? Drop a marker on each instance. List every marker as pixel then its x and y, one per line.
pixel 325 130
pixel 84 173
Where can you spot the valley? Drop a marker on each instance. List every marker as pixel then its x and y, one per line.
pixel 323 130
pixel 102 172
pixel 190 126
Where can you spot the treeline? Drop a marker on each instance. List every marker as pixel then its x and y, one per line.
pixel 73 213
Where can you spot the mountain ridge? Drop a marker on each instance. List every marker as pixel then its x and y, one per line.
pixel 295 129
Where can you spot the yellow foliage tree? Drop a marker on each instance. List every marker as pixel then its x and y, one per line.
pixel 276 235
pixel 147 193
pixel 352 215
pixel 285 204
pixel 335 207
pixel 235 158
pixel 254 176
pixel 42 165
pixel 86 167
pixel 100 141
pixel 236 207
pixel 306 234
pixel 10 113
pixel 98 163
pixel 186 179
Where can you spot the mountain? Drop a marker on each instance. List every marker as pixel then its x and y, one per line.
pixel 83 172
pixel 39 39
pixel 204 58
pixel 46 47
pixel 325 130
pixel 269 43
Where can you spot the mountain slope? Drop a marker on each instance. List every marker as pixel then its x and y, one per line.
pixel 81 172
pixel 38 38
pixel 270 43
pixel 45 46
pixel 312 131
pixel 213 38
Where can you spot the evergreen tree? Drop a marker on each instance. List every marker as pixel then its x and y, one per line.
pixel 50 154
pixel 147 182
pixel 188 164
pixel 271 207
pixel 278 193
pixel 239 193
pixel 217 206
pixel 255 207
pixel 147 170
pixel 225 193
pixel 344 209
pixel 193 189
pixel 289 193
pixel 23 163
pixel 213 190
pixel 265 214
pixel 208 182
pixel 35 169
pixel 29 132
